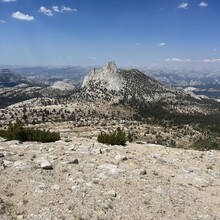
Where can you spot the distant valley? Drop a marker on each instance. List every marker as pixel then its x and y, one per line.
pixel 201 82
pixel 48 75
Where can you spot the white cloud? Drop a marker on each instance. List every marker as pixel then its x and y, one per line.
pixel 67 9
pixel 177 60
pixel 56 8
pixel 63 9
pixel 162 9
pixel 183 5
pixel 208 60
pixel 92 58
pixel 20 16
pixel 2 22
pixel 162 44
pixel 8 0
pixel 215 49
pixel 213 60
pixel 45 11
pixel 203 4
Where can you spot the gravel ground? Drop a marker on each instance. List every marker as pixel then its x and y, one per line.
pixel 82 179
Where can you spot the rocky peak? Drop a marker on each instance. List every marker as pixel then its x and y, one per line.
pixel 111 67
pixel 108 77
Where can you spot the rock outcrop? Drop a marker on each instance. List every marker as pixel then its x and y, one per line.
pixel 108 77
pixel 62 86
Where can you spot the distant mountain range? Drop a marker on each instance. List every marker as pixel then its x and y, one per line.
pixel 30 82
pixel 10 79
pixel 16 88
pixel 184 77
pixel 204 81
pixel 48 75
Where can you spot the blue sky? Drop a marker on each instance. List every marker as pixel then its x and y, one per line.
pixel 91 32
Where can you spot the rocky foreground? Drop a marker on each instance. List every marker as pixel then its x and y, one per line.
pixel 78 178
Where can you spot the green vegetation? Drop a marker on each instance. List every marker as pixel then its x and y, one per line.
pixel 210 143
pixel 18 132
pixel 161 113
pixel 117 137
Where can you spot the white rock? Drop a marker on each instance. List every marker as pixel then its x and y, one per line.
pixel 20 164
pixel 55 188
pixel 60 85
pixel 110 193
pixel 7 162
pixel 46 165
pixel 108 170
pixel 121 158
pixel 2 206
pixel 108 75
pixel 159 190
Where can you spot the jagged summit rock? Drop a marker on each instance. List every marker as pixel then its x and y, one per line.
pixel 111 66
pixel 108 77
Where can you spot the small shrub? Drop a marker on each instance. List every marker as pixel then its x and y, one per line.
pixel 117 137
pixel 206 144
pixel 18 132
pixel 130 137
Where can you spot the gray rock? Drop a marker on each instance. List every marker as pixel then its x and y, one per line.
pixel 2 140
pixel 20 164
pixel 108 170
pixel 7 162
pixel 97 151
pixel 20 217
pixel 121 158
pixel 74 161
pixel 159 190
pixel 61 202
pixel 195 179
pixel 110 193
pixel 215 174
pixel 1 155
pixel 55 188
pixel 46 165
pixel 2 206
pixel 14 142
pixel 141 142
pixel 2 165
pixel 143 172
pixel 8 153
